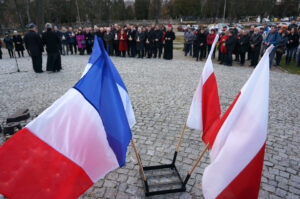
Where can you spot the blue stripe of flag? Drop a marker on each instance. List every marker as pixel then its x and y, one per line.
pixel 99 88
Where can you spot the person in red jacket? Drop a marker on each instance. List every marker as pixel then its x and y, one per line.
pixel 123 46
pixel 223 47
pixel 210 40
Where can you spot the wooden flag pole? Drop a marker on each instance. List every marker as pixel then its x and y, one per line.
pixel 138 159
pixel 179 141
pixel 196 163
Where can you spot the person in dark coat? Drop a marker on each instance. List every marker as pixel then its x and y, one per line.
pixel 34 46
pixel 109 39
pixel 72 41
pixel 201 43
pixel 140 42
pixel 149 42
pixel 9 45
pixel 157 42
pixel 255 45
pixel 64 41
pixel 230 44
pixel 100 33
pixel 0 49
pixel 293 41
pixel 169 38
pixel 244 46
pixel 250 51
pixel 237 46
pixel 59 34
pixel 281 47
pixel 115 31
pixel 52 42
pixel 88 40
pixel 132 41
pixel 18 41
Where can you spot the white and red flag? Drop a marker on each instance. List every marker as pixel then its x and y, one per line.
pixel 237 153
pixel 205 108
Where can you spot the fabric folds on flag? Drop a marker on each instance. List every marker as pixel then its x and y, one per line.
pixel 205 108
pixel 238 151
pixel 72 144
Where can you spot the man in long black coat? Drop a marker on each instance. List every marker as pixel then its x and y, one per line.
pixel 52 42
pixel 244 45
pixel 34 46
pixel 230 43
pixel 140 42
pixel 158 35
pixel 169 38
pixel 255 44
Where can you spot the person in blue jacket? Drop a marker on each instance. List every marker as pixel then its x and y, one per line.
pixel 272 38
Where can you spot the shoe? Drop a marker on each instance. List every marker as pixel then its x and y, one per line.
pixel 39 71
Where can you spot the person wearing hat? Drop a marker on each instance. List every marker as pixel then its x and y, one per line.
pixel 18 41
pixel 9 45
pixel 34 46
pixel 52 42
pixel 169 38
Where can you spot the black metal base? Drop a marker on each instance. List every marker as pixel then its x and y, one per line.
pixel 148 191
pixel 180 182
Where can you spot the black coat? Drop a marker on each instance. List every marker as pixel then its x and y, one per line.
pixel 256 40
pixel 33 43
pixel 8 42
pixel 52 41
pixel 201 39
pixel 18 41
pixel 132 35
pixel 230 43
pixel 244 43
pixel 158 35
pixel 140 40
pixel 88 38
pixel 168 51
pixel 295 39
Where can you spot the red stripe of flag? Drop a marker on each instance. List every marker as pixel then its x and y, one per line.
pixel 38 170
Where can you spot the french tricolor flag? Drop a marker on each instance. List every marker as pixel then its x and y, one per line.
pixel 75 142
pixel 205 109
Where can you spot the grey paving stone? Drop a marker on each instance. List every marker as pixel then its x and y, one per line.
pixel 161 92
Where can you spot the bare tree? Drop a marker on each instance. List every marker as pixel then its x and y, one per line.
pixel 27 7
pixel 19 14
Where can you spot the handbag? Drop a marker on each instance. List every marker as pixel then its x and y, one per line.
pixel 83 42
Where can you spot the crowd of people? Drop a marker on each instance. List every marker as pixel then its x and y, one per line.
pixel 132 41
pixel 241 42
pixel 155 42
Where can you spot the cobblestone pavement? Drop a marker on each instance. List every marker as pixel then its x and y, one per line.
pixel 161 92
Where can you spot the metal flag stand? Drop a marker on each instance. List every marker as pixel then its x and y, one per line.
pixel 172 166
pixel 18 68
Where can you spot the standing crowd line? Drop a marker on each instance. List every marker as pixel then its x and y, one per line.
pixel 133 41
pixel 241 42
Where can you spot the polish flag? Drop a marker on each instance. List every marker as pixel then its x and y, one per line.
pixel 205 108
pixel 238 151
pixel 75 142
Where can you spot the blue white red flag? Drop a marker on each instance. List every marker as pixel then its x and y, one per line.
pixel 73 143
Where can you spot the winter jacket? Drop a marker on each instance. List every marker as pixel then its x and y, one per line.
pixel 293 41
pixel 210 38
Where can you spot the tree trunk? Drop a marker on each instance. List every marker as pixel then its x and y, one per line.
pixel 27 6
pixel 39 15
pixel 78 15
pixel 19 15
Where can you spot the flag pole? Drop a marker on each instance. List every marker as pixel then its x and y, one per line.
pixel 180 140
pixel 138 159
pixel 196 163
